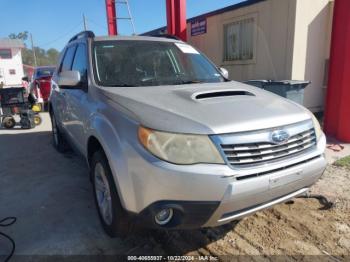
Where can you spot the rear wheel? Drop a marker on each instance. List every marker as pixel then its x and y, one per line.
pixel 59 141
pixel 113 217
pixel 8 122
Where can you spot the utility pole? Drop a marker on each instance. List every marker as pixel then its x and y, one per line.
pixel 85 24
pixel 33 49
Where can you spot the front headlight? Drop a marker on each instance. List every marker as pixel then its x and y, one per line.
pixel 180 148
pixel 317 126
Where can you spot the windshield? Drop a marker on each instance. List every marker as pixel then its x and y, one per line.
pixel 151 63
pixel 45 72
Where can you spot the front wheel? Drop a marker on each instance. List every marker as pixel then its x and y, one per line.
pixel 37 120
pixel 112 215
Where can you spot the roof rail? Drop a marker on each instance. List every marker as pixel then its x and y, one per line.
pixel 166 36
pixel 87 34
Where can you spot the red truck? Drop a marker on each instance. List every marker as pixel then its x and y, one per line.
pixel 42 82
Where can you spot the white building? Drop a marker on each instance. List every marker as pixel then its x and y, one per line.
pixel 11 66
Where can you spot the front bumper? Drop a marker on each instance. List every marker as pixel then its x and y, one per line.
pixel 212 195
pixel 243 198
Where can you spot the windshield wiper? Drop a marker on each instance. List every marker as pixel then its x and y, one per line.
pixel 119 85
pixel 184 82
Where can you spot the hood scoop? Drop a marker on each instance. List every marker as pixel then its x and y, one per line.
pixel 224 93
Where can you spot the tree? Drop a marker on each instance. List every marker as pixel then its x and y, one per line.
pixel 27 57
pixel 43 57
pixel 52 55
pixel 22 35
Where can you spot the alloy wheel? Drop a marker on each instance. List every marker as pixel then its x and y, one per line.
pixel 103 196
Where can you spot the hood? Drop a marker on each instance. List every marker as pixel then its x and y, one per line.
pixel 213 108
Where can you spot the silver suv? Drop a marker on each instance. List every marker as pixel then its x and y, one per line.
pixel 170 141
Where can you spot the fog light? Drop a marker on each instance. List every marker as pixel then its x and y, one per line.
pixel 164 216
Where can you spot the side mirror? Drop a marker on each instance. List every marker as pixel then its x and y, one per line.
pixel 25 78
pixel 69 79
pixel 224 72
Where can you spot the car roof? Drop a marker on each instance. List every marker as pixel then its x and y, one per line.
pixel 44 67
pixel 137 38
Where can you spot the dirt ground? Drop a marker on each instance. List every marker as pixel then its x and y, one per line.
pixel 299 228
pixel 51 196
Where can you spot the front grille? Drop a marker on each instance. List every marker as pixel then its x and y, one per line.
pixel 263 152
pixel 277 169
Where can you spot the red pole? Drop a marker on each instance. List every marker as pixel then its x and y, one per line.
pixel 170 15
pixel 337 114
pixel 111 17
pixel 180 20
pixel 176 18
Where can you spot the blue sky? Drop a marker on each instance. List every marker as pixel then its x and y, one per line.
pixel 52 23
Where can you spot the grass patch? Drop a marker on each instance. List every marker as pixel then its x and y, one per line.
pixel 344 162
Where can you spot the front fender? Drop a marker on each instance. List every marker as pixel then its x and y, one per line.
pixel 110 139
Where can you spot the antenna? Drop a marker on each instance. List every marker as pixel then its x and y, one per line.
pixel 84 21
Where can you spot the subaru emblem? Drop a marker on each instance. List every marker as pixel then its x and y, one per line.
pixel 279 136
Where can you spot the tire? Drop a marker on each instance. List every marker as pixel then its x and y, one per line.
pixel 113 217
pixel 8 122
pixel 59 141
pixel 37 120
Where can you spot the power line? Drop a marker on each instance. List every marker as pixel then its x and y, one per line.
pixel 62 36
pixel 97 24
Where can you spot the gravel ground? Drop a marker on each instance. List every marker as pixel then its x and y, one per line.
pixel 51 196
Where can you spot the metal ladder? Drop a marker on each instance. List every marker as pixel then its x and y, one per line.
pixel 126 2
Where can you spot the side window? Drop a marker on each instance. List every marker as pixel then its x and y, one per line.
pixel 80 61
pixel 68 59
pixel 5 54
